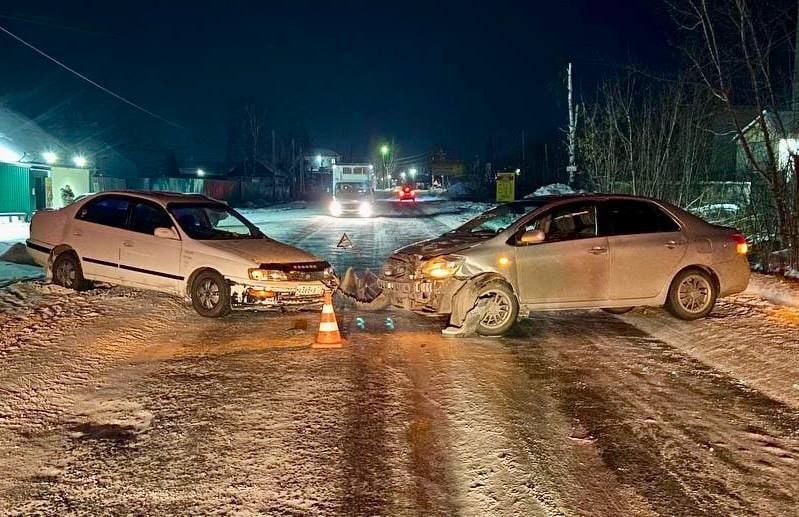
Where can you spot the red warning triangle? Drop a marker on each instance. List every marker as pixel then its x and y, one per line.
pixel 344 242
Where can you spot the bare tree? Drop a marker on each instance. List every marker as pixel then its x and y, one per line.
pixel 646 137
pixel 731 46
pixel 252 124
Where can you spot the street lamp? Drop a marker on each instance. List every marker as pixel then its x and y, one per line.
pixel 79 160
pixel 50 157
pixel 384 150
pixel 200 173
pixel 412 172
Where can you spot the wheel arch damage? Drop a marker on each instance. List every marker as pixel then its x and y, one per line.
pixel 465 298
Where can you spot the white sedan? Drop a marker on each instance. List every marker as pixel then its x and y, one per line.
pixel 183 244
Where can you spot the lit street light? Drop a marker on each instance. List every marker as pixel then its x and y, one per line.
pixel 79 160
pixel 412 172
pixel 200 172
pixel 384 150
pixel 50 157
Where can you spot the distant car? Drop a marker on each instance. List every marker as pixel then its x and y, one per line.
pixel 182 244
pixel 407 193
pixel 570 252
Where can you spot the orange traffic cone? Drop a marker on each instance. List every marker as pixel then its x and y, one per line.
pixel 328 336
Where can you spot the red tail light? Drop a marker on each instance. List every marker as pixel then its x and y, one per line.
pixel 407 189
pixel 741 247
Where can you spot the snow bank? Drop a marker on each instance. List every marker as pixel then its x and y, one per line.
pixel 14 232
pixel 553 189
pixel 775 289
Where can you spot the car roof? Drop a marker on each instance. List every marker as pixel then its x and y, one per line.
pixel 161 197
pixel 549 199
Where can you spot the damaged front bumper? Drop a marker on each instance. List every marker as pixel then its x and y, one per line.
pixel 279 295
pixel 421 295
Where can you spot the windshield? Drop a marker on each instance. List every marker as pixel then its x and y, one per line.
pixel 212 221
pixel 352 190
pixel 497 219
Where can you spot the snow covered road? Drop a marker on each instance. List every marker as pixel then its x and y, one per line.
pixel 115 401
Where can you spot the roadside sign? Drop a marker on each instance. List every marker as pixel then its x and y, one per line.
pixel 344 242
pixel 506 186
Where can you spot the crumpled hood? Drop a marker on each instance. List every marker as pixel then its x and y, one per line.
pixel 443 245
pixel 262 251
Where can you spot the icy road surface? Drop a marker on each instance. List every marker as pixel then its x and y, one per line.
pixel 116 401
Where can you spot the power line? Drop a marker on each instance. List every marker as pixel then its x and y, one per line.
pixel 93 83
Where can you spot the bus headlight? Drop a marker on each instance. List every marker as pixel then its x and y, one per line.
pixel 335 208
pixel 365 209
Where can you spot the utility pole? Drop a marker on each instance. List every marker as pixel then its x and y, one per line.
pixel 571 169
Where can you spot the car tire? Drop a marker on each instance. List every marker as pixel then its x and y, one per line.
pixel 501 316
pixel 618 310
pixel 68 273
pixel 210 295
pixel 692 295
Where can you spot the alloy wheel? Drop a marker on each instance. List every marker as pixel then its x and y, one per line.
pixel 208 294
pixel 66 273
pixel 694 294
pixel 498 311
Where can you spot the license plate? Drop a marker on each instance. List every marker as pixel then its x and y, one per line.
pixel 309 290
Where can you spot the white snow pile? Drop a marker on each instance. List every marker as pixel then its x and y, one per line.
pixel 18 254
pixel 775 289
pixel 553 189
pixel 14 231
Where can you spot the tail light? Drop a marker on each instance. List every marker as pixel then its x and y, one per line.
pixel 407 189
pixel 741 247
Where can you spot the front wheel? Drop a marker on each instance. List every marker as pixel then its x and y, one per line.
pixel 501 309
pixel 692 295
pixel 210 295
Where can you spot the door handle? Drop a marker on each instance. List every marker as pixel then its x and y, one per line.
pixel 673 244
pixel 77 233
pixel 598 250
pixel 127 244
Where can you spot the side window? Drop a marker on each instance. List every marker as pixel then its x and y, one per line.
pixel 632 218
pixel 146 217
pixel 108 211
pixel 566 223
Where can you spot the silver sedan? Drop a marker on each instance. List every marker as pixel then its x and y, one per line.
pixel 569 252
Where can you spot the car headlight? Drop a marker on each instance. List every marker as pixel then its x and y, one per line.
pixel 274 275
pixel 365 209
pixel 442 267
pixel 335 208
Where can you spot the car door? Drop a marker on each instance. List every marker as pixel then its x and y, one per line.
pixel 146 260
pixel 96 235
pixel 646 247
pixel 572 264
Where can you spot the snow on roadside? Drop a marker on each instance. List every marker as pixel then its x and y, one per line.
pixel 775 289
pixel 746 337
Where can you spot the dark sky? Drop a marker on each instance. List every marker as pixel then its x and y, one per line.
pixel 451 74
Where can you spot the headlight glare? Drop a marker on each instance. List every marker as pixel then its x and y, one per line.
pixel 365 209
pixel 274 275
pixel 335 208
pixel 442 267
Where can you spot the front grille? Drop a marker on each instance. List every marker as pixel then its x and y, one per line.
pixel 301 271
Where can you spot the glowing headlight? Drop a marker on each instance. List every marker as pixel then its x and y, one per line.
pixel 365 209
pixel 442 267
pixel 335 208
pixel 274 275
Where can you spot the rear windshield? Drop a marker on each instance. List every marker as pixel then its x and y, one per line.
pixel 212 221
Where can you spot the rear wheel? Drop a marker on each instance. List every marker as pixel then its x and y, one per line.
pixel 68 273
pixel 210 295
pixel 692 295
pixel 618 310
pixel 501 309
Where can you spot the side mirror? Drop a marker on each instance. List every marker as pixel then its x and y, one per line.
pixel 166 233
pixel 533 237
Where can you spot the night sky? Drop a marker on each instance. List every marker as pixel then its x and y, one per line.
pixel 429 74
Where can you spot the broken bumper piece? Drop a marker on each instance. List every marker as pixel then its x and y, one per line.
pixel 279 295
